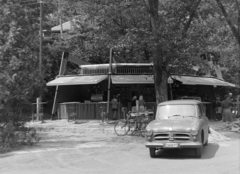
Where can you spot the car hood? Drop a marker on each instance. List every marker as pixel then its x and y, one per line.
pixel 164 125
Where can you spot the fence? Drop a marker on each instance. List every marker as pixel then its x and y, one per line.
pixel 87 111
pixel 38 111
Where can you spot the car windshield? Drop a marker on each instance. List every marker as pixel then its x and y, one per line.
pixel 173 111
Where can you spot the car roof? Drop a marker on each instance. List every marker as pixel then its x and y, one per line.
pixel 183 101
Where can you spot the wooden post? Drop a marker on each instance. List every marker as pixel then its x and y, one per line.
pixel 170 89
pixel 40 58
pixel 109 82
pixel 61 72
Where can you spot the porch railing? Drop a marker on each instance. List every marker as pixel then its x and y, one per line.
pixel 89 111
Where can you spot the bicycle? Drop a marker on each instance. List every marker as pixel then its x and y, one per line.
pixel 134 123
pixel 138 126
pixel 122 126
pixel 145 121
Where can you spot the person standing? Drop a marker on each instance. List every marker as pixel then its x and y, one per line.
pixel 226 109
pixel 134 104
pixel 209 114
pixel 238 107
pixel 114 103
pixel 230 96
pixel 234 108
pixel 142 104
pixel 218 108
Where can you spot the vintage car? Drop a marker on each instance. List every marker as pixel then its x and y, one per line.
pixel 178 124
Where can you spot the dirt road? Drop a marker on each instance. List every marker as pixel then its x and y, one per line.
pixel 60 153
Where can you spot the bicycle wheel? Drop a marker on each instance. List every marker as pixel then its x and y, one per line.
pixel 121 127
pixel 132 127
pixel 143 129
pixel 138 126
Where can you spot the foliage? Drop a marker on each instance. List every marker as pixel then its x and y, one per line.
pixel 12 138
pixel 185 30
pixel 220 39
pixel 122 25
pixel 19 62
pixel 228 33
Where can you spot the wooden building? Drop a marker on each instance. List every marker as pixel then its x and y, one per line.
pixel 87 91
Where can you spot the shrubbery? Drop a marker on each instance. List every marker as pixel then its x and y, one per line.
pixel 13 132
pixel 10 137
pixel 20 80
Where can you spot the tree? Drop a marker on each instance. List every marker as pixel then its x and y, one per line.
pixel 168 33
pixel 171 34
pixel 170 23
pixel 232 16
pixel 231 12
pixel 19 49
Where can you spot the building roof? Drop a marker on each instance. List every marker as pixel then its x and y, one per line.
pixel 133 78
pixel 174 102
pixel 106 66
pixel 66 27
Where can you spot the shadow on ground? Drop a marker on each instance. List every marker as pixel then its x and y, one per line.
pixel 208 152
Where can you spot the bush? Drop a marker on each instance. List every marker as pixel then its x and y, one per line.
pixel 10 137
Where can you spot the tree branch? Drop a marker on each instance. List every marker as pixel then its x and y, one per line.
pixel 116 22
pixel 153 11
pixel 134 22
pixel 237 4
pixel 233 28
pixel 187 26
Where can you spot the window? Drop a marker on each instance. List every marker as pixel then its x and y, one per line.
pixel 171 111
pixel 199 110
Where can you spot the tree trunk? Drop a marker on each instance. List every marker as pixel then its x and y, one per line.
pixel 161 80
pixel 230 23
pixel 192 14
pixel 159 64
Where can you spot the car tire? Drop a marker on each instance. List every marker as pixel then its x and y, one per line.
pixel 206 143
pixel 152 152
pixel 198 151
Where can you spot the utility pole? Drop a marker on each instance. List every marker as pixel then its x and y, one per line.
pixel 39 99
pixel 40 49
pixel 60 17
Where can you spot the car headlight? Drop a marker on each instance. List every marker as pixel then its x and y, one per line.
pixel 194 132
pixel 149 132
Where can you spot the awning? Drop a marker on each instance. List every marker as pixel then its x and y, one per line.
pixel 77 80
pixel 132 79
pixel 232 85
pixel 193 80
pixel 66 26
pixel 76 60
pixel 186 80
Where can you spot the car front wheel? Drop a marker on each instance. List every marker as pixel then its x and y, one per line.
pixel 206 143
pixel 198 151
pixel 152 152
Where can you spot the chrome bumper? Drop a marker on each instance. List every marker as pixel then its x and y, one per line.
pixel 180 145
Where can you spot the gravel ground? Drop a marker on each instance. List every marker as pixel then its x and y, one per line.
pixel 220 131
pixel 92 147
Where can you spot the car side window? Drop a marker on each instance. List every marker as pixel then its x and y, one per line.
pixel 199 110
